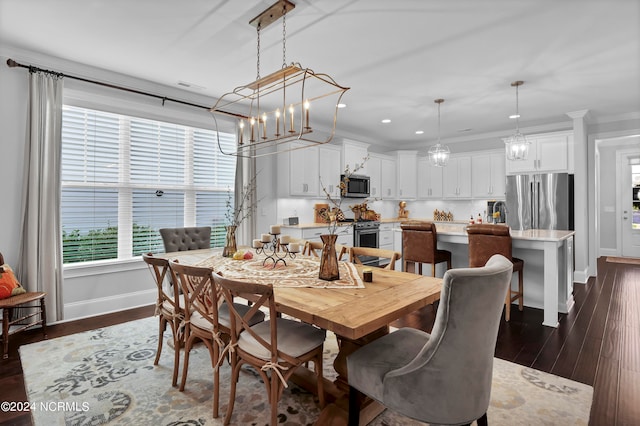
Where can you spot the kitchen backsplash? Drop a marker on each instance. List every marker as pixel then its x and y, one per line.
pixel 418 209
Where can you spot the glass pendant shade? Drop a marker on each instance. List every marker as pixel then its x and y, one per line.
pixel 439 155
pixel 517 147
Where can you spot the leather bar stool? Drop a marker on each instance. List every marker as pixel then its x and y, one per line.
pixel 420 245
pixel 486 240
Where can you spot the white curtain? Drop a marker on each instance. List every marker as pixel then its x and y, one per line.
pixel 40 265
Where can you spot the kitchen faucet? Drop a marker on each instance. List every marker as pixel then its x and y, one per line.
pixel 495 208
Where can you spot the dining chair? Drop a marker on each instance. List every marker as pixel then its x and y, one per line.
pixel 21 309
pixel 486 240
pixel 206 319
pixel 276 346
pixel 390 256
pixel 186 238
pixel 443 377
pixel 420 245
pixel 314 248
pixel 169 308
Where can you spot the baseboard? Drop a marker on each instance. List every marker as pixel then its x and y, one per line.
pixel 608 252
pixel 107 305
pixel 581 276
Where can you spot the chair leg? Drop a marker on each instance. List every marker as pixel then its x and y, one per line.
pixel 275 388
pixel 482 421
pixel 520 289
pixel 354 406
pixel 235 375
pixel 433 269
pixel 507 305
pixel 43 313
pixel 185 367
pixel 6 314
pixel 162 326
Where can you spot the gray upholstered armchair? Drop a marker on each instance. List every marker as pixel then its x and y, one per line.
pixel 443 377
pixel 183 239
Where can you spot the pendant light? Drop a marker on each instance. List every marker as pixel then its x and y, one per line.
pixel 275 110
pixel 517 145
pixel 439 154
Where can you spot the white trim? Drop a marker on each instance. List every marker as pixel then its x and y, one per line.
pixel 106 305
pixel 608 252
pixel 581 276
pixel 101 267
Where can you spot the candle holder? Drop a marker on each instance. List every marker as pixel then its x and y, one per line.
pixel 270 250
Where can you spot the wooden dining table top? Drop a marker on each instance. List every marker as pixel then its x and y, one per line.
pixel 351 313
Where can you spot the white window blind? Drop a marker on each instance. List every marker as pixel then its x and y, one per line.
pixel 124 178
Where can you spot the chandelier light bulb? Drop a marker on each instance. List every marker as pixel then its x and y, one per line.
pixel 439 154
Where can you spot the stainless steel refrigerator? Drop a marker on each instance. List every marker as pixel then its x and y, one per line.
pixel 541 201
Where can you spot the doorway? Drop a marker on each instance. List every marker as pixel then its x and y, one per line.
pixel 628 184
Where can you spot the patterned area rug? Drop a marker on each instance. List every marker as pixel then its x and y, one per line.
pixel 107 376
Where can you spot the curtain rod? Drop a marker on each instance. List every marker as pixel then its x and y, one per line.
pixel 12 64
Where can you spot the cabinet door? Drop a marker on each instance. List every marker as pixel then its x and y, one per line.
pixel 329 170
pixel 406 166
pixel 429 180
pixel 481 172
pixel 388 177
pixel 498 176
pixel 552 154
pixel 435 179
pixel 450 179
pixel 303 172
pixel 354 154
pixel 457 178
pixel 464 177
pixel 373 168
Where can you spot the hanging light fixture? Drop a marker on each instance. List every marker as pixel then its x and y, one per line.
pixel 282 107
pixel 517 146
pixel 439 154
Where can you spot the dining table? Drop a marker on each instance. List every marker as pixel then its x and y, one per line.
pixel 357 312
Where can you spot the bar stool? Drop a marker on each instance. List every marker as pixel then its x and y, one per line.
pixel 485 241
pixel 420 245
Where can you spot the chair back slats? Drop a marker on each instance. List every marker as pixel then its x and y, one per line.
pixel 160 271
pixel 200 294
pixel 392 256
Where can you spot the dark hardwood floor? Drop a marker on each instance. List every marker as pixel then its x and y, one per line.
pixel 598 343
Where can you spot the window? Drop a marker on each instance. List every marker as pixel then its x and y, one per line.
pixel 124 178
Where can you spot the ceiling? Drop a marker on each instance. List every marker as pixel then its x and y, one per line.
pixel 396 56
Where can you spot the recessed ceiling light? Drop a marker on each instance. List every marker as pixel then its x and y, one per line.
pixel 386 120
pixel 514 116
pixel 342 105
pixel 419 132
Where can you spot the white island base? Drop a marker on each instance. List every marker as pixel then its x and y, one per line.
pixel 548 265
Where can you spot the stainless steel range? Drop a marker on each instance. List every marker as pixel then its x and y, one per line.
pixel 366 233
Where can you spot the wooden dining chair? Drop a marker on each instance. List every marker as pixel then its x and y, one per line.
pixel 277 346
pixel 206 319
pixel 314 248
pixel 390 256
pixel 169 308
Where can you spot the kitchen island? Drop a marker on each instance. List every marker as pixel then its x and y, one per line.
pixel 548 264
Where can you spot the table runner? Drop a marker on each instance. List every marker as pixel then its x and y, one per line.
pixel 299 272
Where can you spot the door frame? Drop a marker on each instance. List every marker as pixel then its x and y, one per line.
pixel 622 168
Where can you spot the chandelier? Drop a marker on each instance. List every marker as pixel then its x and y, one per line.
pixel 517 146
pixel 283 107
pixel 439 154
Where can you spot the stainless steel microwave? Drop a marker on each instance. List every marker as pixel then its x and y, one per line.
pixel 357 186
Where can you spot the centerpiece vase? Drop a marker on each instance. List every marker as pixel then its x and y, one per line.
pixel 328 259
pixel 230 246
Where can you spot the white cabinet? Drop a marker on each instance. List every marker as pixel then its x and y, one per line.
pixel 388 178
pixel 298 172
pixel 386 235
pixel 488 175
pixel 329 170
pixel 429 180
pixel 406 167
pixel 375 176
pixel 549 152
pixel 354 154
pixel 457 178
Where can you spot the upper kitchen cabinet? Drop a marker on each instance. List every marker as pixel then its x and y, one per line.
pixel 406 169
pixel 375 175
pixel 298 171
pixel 354 154
pixel 549 152
pixel 330 169
pixel 457 177
pixel 388 178
pixel 429 180
pixel 488 175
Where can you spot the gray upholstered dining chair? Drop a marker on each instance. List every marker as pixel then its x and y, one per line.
pixel 443 377
pixel 183 239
